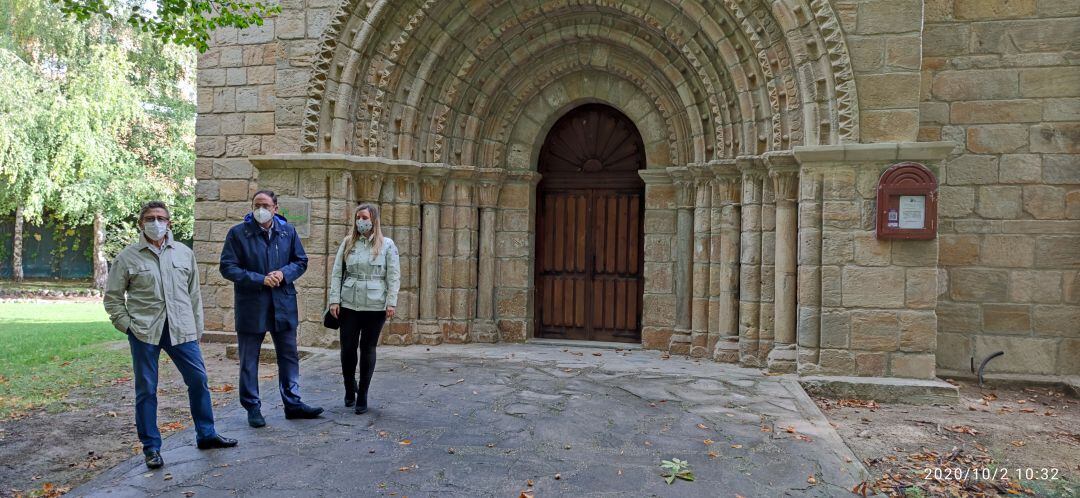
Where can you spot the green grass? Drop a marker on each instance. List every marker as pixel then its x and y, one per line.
pixel 47 349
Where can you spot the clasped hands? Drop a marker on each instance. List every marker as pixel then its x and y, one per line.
pixel 274 278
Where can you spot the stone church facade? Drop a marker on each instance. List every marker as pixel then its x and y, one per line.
pixel 696 176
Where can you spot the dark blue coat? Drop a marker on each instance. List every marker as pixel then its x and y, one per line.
pixel 246 259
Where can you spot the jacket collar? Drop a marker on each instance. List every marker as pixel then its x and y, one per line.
pixel 253 228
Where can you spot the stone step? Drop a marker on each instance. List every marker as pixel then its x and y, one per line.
pixel 268 355
pixel 883 389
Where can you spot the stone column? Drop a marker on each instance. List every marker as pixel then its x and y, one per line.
pixel 684 258
pixel 699 311
pixel 658 301
pixel 401 218
pixel 728 187
pixel 785 178
pixel 750 261
pixel 514 251
pixel 808 331
pixel 432 182
pixel 767 313
pixel 483 326
pixel 457 282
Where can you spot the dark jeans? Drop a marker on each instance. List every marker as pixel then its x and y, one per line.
pixel 188 360
pixel 359 330
pixel 288 363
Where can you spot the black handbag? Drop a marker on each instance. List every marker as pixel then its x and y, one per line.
pixel 328 319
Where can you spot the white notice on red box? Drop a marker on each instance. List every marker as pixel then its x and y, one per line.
pixel 912 211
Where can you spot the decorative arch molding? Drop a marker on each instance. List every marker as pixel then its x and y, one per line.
pixel 419 79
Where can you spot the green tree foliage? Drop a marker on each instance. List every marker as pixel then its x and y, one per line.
pixel 96 117
pixel 183 22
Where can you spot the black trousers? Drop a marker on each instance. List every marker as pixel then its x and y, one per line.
pixel 359 331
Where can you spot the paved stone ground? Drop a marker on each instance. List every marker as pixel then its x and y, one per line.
pixel 599 419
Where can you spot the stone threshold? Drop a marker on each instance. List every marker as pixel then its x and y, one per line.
pixel 883 389
pixel 584 344
pixel 1067 383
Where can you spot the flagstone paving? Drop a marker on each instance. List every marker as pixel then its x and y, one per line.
pixel 485 420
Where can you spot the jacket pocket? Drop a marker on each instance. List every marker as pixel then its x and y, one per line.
pixel 375 291
pixel 142 284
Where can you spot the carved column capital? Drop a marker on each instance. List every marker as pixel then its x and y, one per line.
pixel 684 186
pixel 432 183
pixel 785 185
pixel 489 183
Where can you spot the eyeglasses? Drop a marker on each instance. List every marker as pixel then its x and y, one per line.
pixel 148 219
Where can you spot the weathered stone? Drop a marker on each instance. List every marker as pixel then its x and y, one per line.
pixel 956 249
pixel 897 125
pixel 970 169
pixel 999 202
pixel 1057 252
pixel 1020 168
pixel 1056 138
pixel 1061 168
pixel 889 16
pixel 1044 202
pixel 976 85
pixel 1050 82
pixel 1057 320
pixel 1022 354
pixel 996 139
pixel 1007 318
pixel 996 111
pixel 914 366
pixel 921 288
pixel 871 251
pixel 871 364
pixel 978 285
pixel 993 9
pixel 873 287
pixel 914 253
pixel 1009 251
pixel 955 202
pixel 888 91
pixel 875 331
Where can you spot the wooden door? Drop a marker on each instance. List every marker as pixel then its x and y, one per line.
pixel 590 207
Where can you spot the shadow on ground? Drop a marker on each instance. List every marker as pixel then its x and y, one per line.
pixel 485 420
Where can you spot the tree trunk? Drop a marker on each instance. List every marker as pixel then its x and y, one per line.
pixel 16 256
pixel 101 265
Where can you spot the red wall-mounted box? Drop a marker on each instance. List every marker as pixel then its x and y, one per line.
pixel 907 203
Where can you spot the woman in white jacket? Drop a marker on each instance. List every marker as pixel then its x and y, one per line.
pixel 364 298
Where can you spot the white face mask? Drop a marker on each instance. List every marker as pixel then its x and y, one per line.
pixel 155 230
pixel 262 215
pixel 364 226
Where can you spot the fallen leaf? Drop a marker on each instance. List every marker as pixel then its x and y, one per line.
pixel 1018 443
pixel 383 434
pixel 529 483
pixel 789 429
pixel 597 354
pixel 168 477
pixel 811 480
pixel 172 426
pixel 224 388
pixel 405 442
pixel 736 446
pixel 557 477
pixel 451 451
pixel 526 494
pixel 459 381
pixel 766 429
pixel 702 427
pixel 803 437
pixel 708 442
pixel 648 443
pixel 713 454
pixel 1027 410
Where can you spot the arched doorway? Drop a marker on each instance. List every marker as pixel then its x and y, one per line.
pixel 589 242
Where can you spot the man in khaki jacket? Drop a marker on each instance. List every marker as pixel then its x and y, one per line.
pixel 153 296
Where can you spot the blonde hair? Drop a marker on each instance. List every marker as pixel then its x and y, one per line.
pixel 376 230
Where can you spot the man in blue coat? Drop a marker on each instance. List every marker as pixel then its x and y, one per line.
pixel 263 258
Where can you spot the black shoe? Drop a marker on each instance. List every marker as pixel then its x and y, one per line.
pixel 255 418
pixel 349 401
pixel 303 411
pixel 153 459
pixel 361 405
pixel 218 441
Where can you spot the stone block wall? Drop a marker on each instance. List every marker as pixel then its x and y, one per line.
pixel 877 297
pixel 884 41
pixel 1002 81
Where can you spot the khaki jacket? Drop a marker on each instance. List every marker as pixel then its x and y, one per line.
pixel 146 286
pixel 370 284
